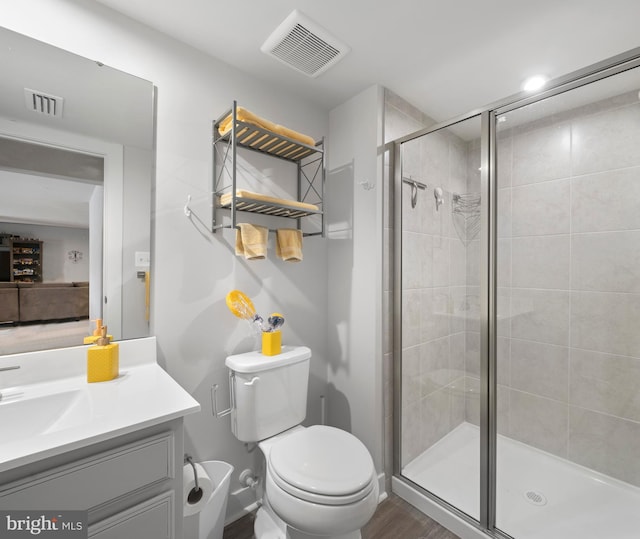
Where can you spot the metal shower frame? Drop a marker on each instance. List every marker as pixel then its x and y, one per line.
pixel 488 283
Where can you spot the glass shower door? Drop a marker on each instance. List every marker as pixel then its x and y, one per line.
pixel 568 174
pixel 438 277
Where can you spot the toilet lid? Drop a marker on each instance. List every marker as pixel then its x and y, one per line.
pixel 323 461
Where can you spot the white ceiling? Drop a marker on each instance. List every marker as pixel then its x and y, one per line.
pixel 447 57
pixel 60 202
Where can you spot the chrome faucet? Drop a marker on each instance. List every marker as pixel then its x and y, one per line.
pixel 12 368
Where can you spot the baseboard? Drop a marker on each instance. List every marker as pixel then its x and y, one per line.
pixel 382 496
pixel 241 502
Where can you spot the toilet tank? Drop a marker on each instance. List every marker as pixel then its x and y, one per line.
pixel 268 393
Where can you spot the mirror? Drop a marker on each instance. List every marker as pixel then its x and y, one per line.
pixel 76 175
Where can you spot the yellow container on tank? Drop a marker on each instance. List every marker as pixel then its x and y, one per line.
pixel 271 343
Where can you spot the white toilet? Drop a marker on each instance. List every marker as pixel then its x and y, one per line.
pixel 320 481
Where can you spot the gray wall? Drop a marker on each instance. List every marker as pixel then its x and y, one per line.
pixel 355 190
pixel 193 269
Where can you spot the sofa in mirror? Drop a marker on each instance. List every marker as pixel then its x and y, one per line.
pixel 76 175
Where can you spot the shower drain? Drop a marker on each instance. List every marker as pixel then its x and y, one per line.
pixel 535 497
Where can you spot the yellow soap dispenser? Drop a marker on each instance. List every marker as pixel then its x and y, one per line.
pixel 92 339
pixel 102 359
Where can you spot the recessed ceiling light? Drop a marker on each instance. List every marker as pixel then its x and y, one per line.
pixel 534 83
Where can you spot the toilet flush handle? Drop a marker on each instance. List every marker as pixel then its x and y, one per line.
pixel 253 381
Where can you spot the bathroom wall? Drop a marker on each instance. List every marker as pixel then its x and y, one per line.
pixel 434 286
pixel 400 119
pixel 192 269
pixel 434 283
pixel 568 207
pixel 355 191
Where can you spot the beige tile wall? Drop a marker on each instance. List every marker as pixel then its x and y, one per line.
pixel 570 199
pixel 435 283
pixel 569 288
pixel 400 118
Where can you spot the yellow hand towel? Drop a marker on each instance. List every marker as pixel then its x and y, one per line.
pixel 251 241
pixel 289 244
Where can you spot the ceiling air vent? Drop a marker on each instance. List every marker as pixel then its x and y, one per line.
pixel 47 104
pixel 304 45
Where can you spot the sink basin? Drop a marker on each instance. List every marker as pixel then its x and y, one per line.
pixel 48 409
pixel 25 416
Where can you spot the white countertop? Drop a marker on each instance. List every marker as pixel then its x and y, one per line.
pixel 142 396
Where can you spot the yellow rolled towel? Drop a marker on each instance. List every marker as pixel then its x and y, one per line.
pixel 295 135
pixel 246 116
pixel 289 244
pixel 251 241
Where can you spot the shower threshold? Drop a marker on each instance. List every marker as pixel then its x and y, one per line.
pixel 539 495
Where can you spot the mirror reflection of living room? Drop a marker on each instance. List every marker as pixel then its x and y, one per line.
pixel 44 286
pixel 51 215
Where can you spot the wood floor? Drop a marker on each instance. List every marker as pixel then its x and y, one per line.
pixel 394 519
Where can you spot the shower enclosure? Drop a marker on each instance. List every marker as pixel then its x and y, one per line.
pixel 517 313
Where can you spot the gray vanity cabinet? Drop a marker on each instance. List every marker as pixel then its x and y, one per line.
pixel 131 485
pixel 152 519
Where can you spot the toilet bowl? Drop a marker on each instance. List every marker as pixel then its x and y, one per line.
pixel 320 481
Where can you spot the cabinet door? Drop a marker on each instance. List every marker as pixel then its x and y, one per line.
pixel 95 480
pixel 152 519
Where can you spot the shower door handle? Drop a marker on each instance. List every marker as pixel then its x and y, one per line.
pixel 415 185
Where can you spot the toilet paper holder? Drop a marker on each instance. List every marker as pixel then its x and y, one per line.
pixel 217 413
pixel 195 495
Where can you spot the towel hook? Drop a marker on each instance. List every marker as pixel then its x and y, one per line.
pixel 187 207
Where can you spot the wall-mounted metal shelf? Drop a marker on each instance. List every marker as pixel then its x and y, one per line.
pixel 258 139
pixel 310 165
pixel 277 209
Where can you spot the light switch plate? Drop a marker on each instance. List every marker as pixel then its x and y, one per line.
pixel 142 259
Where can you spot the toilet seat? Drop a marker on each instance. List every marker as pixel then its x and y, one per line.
pixel 322 465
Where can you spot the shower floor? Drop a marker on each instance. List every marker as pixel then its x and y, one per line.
pixel 539 496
